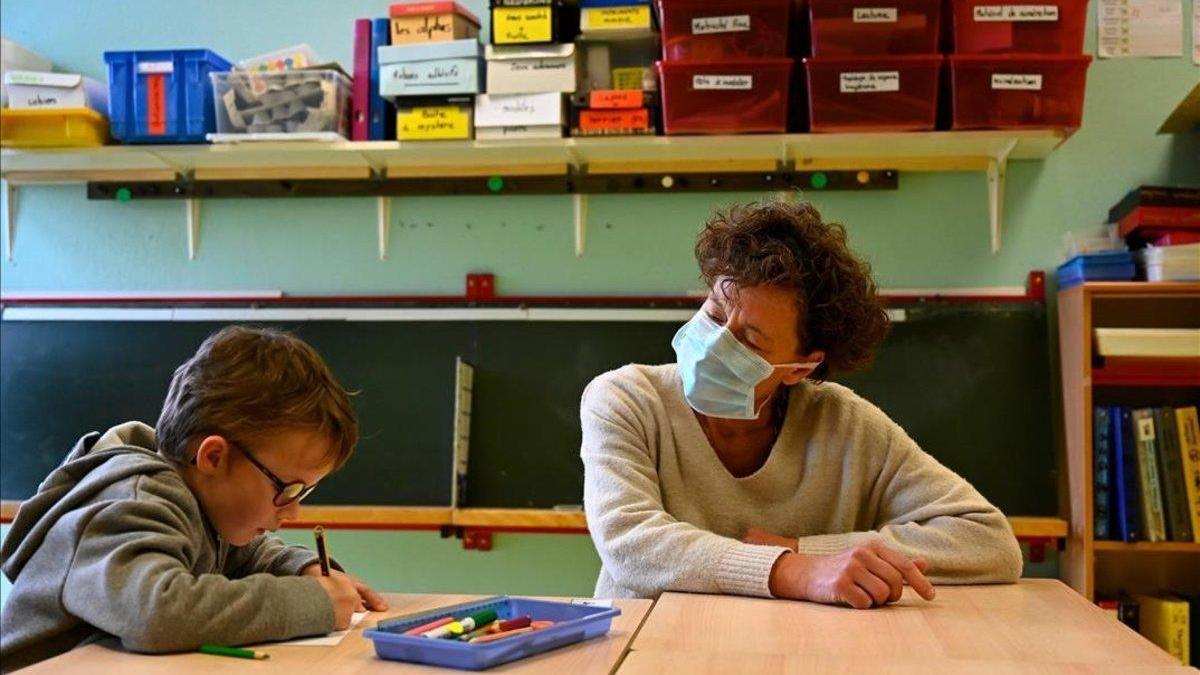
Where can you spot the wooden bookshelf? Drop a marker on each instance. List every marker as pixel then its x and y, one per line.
pixel 1091 565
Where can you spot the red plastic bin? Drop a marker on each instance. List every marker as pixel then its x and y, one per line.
pixel 1041 27
pixel 1017 91
pixel 867 27
pixel 723 30
pixel 725 98
pixel 888 93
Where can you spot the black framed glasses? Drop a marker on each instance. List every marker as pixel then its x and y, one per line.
pixel 286 492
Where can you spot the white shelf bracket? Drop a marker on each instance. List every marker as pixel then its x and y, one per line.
pixel 580 203
pixel 192 210
pixel 384 224
pixel 996 170
pixel 10 217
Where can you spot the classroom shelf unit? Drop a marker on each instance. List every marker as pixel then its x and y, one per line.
pixel 1096 567
pixel 660 158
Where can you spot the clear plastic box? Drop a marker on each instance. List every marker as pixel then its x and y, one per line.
pixel 866 93
pixel 732 97
pixel 862 28
pixel 1013 91
pixel 722 30
pixel 293 101
pixel 1044 27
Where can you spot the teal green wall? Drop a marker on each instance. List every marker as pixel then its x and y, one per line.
pixel 930 232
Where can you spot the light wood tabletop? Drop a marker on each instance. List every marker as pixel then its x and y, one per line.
pixel 355 653
pixel 1036 625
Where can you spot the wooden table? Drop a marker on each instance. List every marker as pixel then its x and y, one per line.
pixel 356 654
pixel 1036 625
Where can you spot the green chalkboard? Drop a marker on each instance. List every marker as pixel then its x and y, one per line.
pixel 969 382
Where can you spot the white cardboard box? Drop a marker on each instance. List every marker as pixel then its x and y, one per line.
pixel 531 69
pixel 492 110
pixel 29 89
pixel 15 57
pixel 517 133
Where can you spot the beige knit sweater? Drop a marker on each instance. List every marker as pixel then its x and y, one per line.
pixel 666 515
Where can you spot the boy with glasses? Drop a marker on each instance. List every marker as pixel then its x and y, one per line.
pixel 158 535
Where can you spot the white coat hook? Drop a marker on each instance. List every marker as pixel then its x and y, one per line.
pixel 10 217
pixel 192 207
pixel 581 205
pixel 384 226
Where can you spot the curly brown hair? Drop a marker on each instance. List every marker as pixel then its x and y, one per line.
pixel 785 243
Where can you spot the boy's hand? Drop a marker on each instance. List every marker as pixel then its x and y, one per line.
pixel 366 599
pixel 862 577
pixel 342 593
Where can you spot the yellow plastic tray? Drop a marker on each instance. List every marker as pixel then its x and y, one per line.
pixel 52 128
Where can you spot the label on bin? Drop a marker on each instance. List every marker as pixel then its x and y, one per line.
pixel 434 122
pixel 1016 81
pixel 733 23
pixel 145 67
pixel 522 24
pixel 615 98
pixel 874 15
pixel 722 82
pixel 601 18
pixel 1016 13
pixel 156 105
pixel 872 81
pixel 591 120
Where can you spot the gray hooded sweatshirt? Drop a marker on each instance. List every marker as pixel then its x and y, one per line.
pixel 114 543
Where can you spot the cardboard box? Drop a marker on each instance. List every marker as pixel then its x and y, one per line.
pixel 431 22
pixel 28 89
pixel 615 18
pixel 523 22
pixel 536 115
pixel 431 68
pixel 434 119
pixel 525 70
pixel 13 56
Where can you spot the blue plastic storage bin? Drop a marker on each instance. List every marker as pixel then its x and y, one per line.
pixel 162 96
pixel 1114 266
pixel 572 623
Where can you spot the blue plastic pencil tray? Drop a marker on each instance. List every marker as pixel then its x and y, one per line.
pixel 572 623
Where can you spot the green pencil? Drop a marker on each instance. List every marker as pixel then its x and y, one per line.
pixel 218 650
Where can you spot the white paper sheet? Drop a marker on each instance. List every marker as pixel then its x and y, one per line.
pixel 330 640
pixel 1139 28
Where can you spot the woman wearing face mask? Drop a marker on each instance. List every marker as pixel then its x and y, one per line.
pixel 737 470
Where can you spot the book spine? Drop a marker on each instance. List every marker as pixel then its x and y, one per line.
pixel 1101 488
pixel 1170 467
pixel 382 113
pixel 1147 456
pixel 360 89
pixel 1126 482
pixel 1188 424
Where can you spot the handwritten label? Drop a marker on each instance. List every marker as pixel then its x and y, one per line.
pixel 420 28
pixel 1018 82
pixel 156 105
pixel 874 15
pixel 1145 429
pixel 735 23
pixel 722 82
pixel 418 76
pixel 517 25
pixel 523 66
pixel 869 82
pixel 433 123
pixel 595 120
pixel 147 67
pixel 1016 13
pixel 37 101
pixel 611 98
pixel 612 18
pixel 628 78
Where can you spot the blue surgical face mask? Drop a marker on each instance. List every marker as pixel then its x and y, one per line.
pixel 719 372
